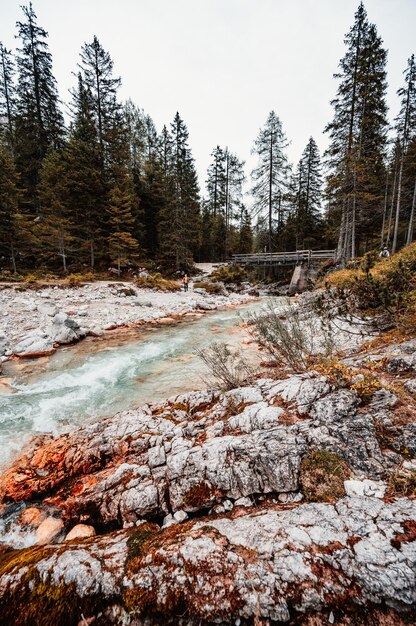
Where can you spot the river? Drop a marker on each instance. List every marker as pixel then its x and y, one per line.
pixel 97 378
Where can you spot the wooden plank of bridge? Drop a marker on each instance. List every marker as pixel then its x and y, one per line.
pixel 295 257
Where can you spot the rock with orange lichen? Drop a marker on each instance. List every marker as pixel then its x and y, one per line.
pixel 227 474
pixel 276 565
pixel 200 449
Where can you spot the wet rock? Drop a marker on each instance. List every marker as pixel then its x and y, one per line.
pixel 49 530
pixel 80 531
pixel 32 516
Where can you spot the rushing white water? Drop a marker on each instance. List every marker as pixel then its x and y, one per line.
pixel 75 385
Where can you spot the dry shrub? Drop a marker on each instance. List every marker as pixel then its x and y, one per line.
pixel 213 288
pixel 229 274
pixel 292 336
pixel 156 281
pixel 322 475
pixel 228 367
pixel 73 280
pixel 401 483
pixel 378 286
pixel 362 382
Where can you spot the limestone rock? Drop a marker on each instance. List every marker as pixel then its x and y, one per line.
pixel 365 487
pixel 49 529
pixel 80 531
pixel 310 557
pixel 34 344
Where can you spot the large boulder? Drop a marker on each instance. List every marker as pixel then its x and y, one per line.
pixel 279 565
pixel 34 344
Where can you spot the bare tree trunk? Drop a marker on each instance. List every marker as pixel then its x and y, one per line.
pixel 353 216
pixel 399 192
pixel 403 146
pixel 63 254
pixel 384 210
pixel 13 258
pixel 270 191
pixel 393 195
pixel 412 213
pixel 92 253
pixel 227 204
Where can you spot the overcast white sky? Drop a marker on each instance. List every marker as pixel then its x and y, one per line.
pixel 223 64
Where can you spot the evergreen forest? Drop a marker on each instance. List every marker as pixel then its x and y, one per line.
pixel 101 187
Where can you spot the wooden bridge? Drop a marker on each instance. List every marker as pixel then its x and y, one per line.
pixel 296 257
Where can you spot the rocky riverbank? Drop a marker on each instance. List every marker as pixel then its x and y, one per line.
pixel 34 322
pixel 290 500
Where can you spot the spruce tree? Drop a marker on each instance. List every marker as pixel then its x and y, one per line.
pixel 215 204
pixel 39 123
pixel 245 239
pixel 9 204
pixel 85 188
pixel 234 179
pixel 123 202
pixel 54 227
pixel 270 177
pixel 97 72
pixel 179 223
pixel 305 220
pixel 358 137
pixel 216 182
pixel 123 247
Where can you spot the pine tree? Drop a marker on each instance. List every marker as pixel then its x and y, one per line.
pixel 358 137
pixel 39 123
pixel 271 175
pixel 7 95
pixel 406 131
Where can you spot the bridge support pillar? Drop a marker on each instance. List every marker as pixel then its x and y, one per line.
pixel 299 280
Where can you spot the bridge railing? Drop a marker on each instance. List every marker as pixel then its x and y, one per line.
pixel 295 256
